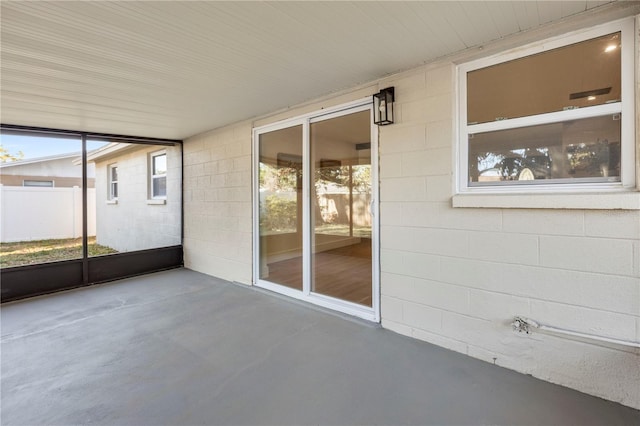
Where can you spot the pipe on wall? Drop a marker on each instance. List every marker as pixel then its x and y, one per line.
pixel 525 325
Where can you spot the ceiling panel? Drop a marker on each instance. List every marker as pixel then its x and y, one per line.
pixel 503 15
pixel 174 69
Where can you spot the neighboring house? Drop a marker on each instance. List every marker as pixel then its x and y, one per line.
pixel 138 196
pixel 56 171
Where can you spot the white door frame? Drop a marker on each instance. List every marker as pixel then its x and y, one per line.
pixel 369 313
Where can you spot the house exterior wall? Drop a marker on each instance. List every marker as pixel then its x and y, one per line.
pixel 135 223
pixel 453 276
pixel 217 203
pixel 456 277
pixel 63 172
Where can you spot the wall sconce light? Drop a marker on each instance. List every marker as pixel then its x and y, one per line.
pixel 383 106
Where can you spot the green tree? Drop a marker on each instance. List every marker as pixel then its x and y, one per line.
pixel 7 156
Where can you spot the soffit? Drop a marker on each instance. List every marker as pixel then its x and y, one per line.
pixel 175 69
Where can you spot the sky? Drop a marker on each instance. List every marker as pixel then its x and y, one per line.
pixel 35 147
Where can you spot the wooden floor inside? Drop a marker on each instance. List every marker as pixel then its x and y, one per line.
pixel 343 273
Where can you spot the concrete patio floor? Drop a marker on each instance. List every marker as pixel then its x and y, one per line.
pixel 182 348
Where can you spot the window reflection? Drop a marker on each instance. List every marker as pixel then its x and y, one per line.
pixel 280 183
pixel 586 149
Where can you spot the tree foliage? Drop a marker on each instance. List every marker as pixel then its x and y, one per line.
pixel 6 156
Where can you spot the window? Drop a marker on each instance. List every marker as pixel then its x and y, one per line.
pixel 158 182
pixel 557 115
pixel 113 182
pixel 38 183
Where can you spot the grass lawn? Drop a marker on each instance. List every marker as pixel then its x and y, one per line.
pixel 41 251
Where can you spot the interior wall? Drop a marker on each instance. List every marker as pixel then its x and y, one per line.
pixel 455 277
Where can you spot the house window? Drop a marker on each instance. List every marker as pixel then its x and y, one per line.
pixel 113 182
pixel 38 183
pixel 557 115
pixel 158 181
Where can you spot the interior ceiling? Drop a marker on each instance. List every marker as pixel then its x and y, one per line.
pixel 175 69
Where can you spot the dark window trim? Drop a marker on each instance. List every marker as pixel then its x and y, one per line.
pixel 61 133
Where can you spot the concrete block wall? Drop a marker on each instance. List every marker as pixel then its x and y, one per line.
pixel 456 277
pixel 217 203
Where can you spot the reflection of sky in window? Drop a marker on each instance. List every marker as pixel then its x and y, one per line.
pixel 36 147
pixel 160 164
pixel 489 160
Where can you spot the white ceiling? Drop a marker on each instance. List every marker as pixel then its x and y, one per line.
pixel 175 69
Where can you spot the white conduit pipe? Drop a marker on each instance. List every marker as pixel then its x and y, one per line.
pixel 524 325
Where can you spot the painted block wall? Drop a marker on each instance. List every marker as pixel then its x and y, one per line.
pixel 217 203
pixel 454 277
pixel 133 223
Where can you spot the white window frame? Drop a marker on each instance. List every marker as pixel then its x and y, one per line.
pixel 110 195
pixel 152 158
pixel 368 313
pixel 626 107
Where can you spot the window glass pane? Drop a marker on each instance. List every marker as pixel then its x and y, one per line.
pixel 113 179
pixel 160 186
pixel 134 223
pixel 340 214
pixel 160 164
pixel 575 76
pixel 42 183
pixel 280 184
pixel 586 150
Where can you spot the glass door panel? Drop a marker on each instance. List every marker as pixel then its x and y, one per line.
pixel 341 249
pixel 280 207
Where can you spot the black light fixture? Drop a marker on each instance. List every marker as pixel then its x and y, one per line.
pixel 383 106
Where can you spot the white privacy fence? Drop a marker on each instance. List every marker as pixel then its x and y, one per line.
pixel 31 213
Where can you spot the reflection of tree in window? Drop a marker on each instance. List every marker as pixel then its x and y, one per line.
pixel 279 208
pixel 278 178
pixel 342 196
pixel 589 159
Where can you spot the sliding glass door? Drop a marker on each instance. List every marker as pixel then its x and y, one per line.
pixel 315 206
pixel 280 201
pixel 340 215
